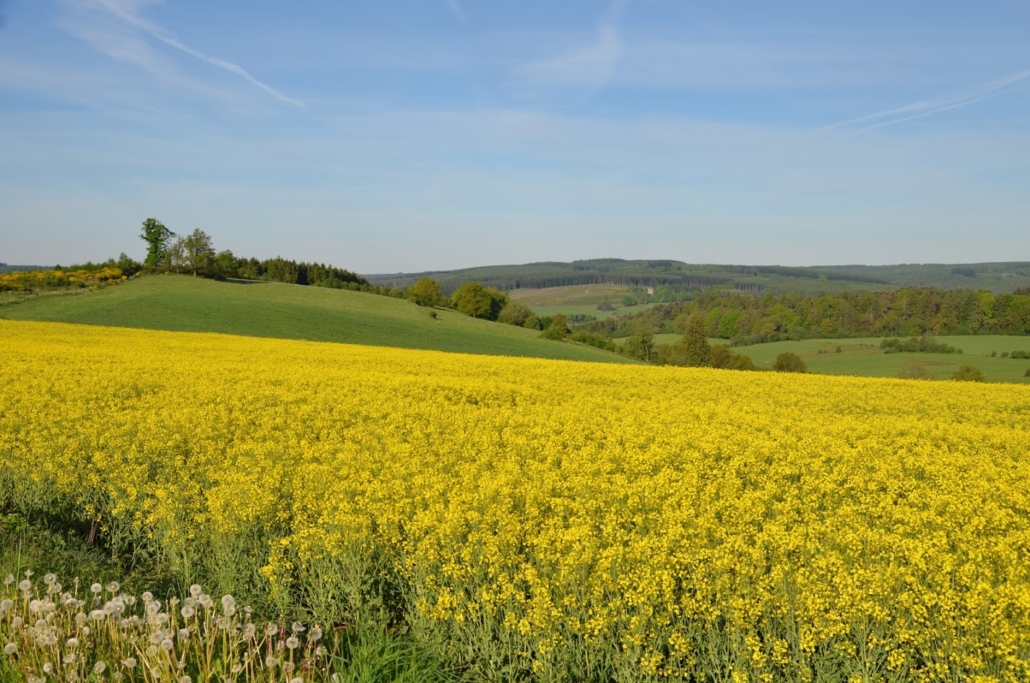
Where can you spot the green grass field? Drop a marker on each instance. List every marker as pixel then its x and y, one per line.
pixel 864 356
pixel 577 300
pixel 268 309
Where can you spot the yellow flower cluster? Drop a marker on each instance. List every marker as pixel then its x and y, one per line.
pixel 564 520
pixel 32 280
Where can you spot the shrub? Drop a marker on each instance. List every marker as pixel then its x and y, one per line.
pixel 558 329
pixel 789 362
pixel 969 373
pixel 721 356
pixel 741 362
pixel 913 370
pixel 1027 373
pixel 514 313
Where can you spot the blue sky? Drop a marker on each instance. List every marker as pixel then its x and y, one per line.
pixel 387 136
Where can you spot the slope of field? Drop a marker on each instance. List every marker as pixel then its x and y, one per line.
pixel 546 520
pixel 267 309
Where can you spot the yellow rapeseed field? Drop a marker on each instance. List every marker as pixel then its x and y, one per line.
pixel 557 519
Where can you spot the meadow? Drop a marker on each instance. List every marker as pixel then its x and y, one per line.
pixel 863 356
pixel 578 300
pixel 543 520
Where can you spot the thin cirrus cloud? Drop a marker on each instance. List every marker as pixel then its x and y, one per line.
pixel 125 16
pixel 454 7
pixel 923 108
pixel 589 66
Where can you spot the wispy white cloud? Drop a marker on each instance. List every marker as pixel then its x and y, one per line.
pixel 454 6
pixel 132 45
pixel 929 107
pixel 589 66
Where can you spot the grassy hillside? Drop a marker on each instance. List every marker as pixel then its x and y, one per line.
pixel 678 276
pixel 269 309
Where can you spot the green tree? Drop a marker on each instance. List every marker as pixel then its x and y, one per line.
pixel 225 265
pixel 199 252
pixel 969 373
pixel 640 345
pixel 127 265
pixel 472 299
pixel 476 300
pixel 426 292
pixel 789 362
pixel 175 255
pixel 157 237
pixel 741 362
pixel 721 356
pixel 514 313
pixel 558 329
pixel 694 350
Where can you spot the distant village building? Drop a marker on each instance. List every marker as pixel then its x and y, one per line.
pixel 650 291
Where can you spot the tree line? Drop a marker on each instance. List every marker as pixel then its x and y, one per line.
pixel 194 254
pixel 906 312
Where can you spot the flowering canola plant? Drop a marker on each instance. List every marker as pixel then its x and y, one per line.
pixel 548 519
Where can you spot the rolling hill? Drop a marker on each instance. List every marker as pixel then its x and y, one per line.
pixel 267 309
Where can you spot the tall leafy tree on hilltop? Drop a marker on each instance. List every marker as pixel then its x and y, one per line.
pixel 157 237
pixel 426 292
pixel 478 301
pixel 199 251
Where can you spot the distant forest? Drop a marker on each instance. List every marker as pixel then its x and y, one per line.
pixel 681 280
pixel 910 311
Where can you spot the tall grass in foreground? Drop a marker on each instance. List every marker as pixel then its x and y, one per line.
pixel 51 632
